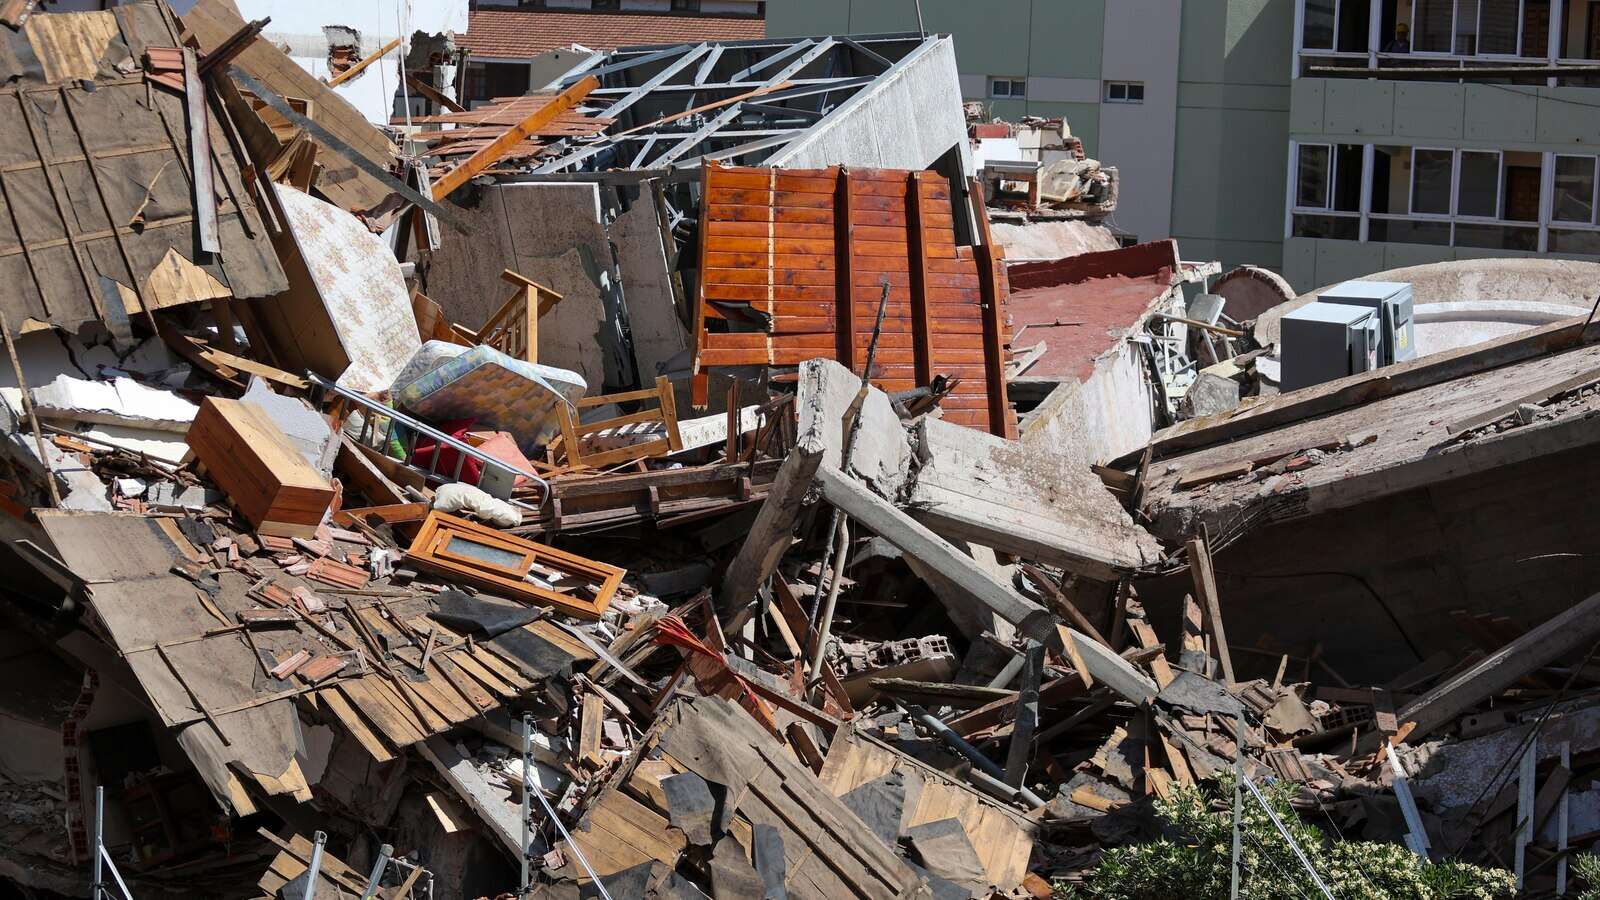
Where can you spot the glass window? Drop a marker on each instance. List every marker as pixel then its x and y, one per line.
pixel 1407 231
pixel 1124 92
pixel 1466 27
pixel 1391 180
pixel 1497 237
pixel 1521 177
pixel 1536 31
pixel 1430 181
pixel 1497 26
pixel 1008 87
pixel 1586 242
pixel 1354 18
pixel 1478 191
pixel 1340 228
pixel 1347 178
pixel 1574 198
pixel 1318 25
pixel 1312 184
pixel 1432 24
pixel 484 553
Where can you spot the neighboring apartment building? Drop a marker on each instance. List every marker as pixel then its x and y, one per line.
pixel 1497 158
pixel 1191 106
pixel 514 46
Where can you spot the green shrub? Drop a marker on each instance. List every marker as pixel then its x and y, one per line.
pixel 1195 858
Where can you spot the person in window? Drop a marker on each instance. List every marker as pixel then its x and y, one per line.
pixel 1402 40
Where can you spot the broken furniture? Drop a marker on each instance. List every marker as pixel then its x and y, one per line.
pixel 270 483
pixel 514 327
pixel 491 389
pixel 573 432
pixel 514 567
pixel 382 428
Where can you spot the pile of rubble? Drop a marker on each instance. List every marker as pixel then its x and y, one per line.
pixel 318 591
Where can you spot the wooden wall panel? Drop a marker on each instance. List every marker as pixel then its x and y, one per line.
pixel 794 263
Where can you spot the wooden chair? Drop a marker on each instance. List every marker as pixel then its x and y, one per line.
pixel 666 412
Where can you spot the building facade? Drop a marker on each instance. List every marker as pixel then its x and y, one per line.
pixel 514 46
pixel 1494 157
pixel 1189 101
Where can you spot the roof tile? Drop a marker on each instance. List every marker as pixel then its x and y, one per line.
pixel 526 33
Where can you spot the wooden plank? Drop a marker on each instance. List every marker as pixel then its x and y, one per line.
pixel 365 61
pixel 354 723
pixel 591 719
pixel 205 192
pixel 845 324
pixel 773 530
pixel 1563 633
pixel 1205 586
pixel 513 136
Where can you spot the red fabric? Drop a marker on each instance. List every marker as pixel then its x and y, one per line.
pixel 422 453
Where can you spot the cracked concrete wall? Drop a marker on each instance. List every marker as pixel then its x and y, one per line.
pixel 557 235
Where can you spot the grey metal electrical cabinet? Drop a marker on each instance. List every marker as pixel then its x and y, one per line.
pixel 1397 341
pixel 1324 341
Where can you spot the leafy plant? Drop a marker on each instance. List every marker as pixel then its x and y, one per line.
pixel 1195 858
pixel 1586 866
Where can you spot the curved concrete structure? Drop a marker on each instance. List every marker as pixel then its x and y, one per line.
pixel 1251 291
pixel 1484 297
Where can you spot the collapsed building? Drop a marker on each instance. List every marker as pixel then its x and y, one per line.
pixel 673 481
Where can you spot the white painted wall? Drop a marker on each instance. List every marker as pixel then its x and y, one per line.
pixel 299 25
pixel 1141 44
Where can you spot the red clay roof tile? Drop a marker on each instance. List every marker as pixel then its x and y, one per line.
pixel 526 33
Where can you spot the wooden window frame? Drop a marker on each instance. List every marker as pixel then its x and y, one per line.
pixel 427 552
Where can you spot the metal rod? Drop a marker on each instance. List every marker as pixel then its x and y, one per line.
pixel 993 786
pixel 527 802
pixel 1278 824
pixel 531 787
pixel 845 455
pixel 99 838
pixel 955 741
pixel 318 839
pixel 384 852
pixel 841 552
pixel 33 419
pixel 1238 798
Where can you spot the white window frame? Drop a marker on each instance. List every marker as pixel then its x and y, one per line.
pixel 1011 81
pixel 1499 187
pixel 1453 219
pixel 1106 93
pixel 1594 198
pixel 1411 191
pixel 1522 19
pixel 1327 187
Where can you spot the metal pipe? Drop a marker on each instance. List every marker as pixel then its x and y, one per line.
pixel 998 789
pixel 841 553
pixel 99 837
pixel 529 786
pixel 954 741
pixel 527 810
pixel 384 852
pixel 1276 823
pixel 1008 673
pixel 317 841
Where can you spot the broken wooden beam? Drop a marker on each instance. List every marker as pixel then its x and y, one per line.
pixel 1563 633
pixel 769 537
pixel 516 134
pixel 914 539
pixel 1205 587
